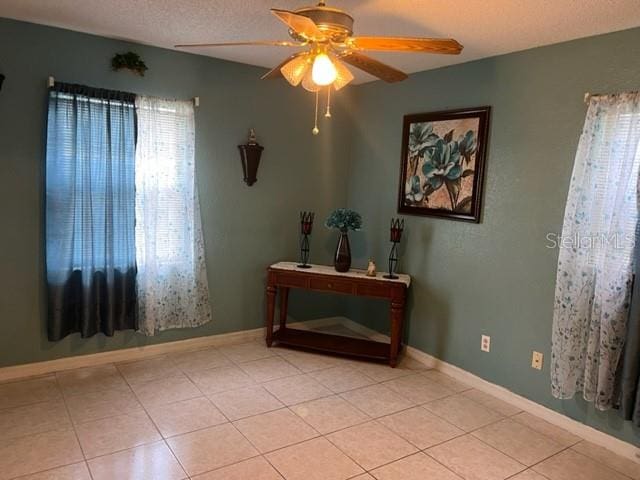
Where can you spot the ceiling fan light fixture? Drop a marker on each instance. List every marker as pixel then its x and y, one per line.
pixel 308 84
pixel 323 71
pixel 343 75
pixel 328 34
pixel 296 69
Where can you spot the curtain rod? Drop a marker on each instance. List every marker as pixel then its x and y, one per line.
pixel 51 82
pixel 588 96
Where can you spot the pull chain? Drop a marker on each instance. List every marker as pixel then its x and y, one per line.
pixel 328 113
pixel 315 130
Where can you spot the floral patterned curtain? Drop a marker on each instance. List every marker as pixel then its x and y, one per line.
pixel 172 282
pixel 595 261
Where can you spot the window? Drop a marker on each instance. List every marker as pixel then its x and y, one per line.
pixel 165 181
pixel 595 262
pixel 123 230
pixel 613 182
pixel 172 282
pixel 90 211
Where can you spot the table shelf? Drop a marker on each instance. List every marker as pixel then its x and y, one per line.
pixel 334 344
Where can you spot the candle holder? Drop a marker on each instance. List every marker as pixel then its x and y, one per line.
pixel 306 225
pixel 397 226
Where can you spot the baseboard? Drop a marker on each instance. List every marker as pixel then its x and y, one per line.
pixel 137 353
pixel 586 432
pixel 125 354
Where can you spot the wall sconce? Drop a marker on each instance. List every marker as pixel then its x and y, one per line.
pixel 250 158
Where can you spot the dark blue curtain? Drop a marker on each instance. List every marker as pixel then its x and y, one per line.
pixel 628 374
pixel 90 211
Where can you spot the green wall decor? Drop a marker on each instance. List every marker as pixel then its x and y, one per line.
pixel 442 163
pixel 129 61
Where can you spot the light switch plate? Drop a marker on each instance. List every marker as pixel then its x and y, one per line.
pixel 536 360
pixel 485 343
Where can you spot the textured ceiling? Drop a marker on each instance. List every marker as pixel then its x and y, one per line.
pixel 485 27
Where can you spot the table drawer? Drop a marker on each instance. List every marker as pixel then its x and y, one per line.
pixel 331 285
pixel 373 290
pixel 291 280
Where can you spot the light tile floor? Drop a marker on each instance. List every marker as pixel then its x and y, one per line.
pixel 245 412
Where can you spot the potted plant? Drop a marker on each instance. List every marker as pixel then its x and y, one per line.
pixel 129 61
pixel 343 220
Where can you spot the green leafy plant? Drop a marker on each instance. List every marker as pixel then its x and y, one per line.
pixel 421 138
pixel 130 61
pixel 468 146
pixel 344 219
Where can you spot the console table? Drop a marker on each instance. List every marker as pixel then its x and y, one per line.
pixel 283 276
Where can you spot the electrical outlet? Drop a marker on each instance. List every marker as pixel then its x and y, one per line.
pixel 485 343
pixel 536 360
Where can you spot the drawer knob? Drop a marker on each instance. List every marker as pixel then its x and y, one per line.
pixel 330 285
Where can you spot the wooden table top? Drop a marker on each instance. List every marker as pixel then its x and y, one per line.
pixel 353 273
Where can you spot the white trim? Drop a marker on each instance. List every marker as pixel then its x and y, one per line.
pixel 586 432
pixel 126 354
pixel 580 429
pixel 136 353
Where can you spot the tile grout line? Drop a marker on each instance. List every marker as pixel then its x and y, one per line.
pixel 598 462
pixel 73 425
pixel 112 416
pixel 337 394
pixel 257 384
pixel 229 422
pixel 50 470
pixel 465 433
pixel 370 419
pixel 163 439
pixel 362 466
pixel 470 433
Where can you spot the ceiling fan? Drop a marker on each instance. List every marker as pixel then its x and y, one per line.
pixel 325 33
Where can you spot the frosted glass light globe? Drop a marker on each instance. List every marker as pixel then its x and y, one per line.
pixel 323 71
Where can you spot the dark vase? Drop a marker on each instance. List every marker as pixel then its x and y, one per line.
pixel 342 259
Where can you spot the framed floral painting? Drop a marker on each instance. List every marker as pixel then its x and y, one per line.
pixel 442 164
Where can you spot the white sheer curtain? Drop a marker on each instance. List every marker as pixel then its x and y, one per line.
pixel 172 282
pixel 596 252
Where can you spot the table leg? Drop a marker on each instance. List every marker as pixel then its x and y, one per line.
pixel 271 306
pixel 284 306
pixel 397 316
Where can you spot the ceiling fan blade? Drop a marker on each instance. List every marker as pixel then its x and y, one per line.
pixel 267 43
pixel 300 24
pixel 276 72
pixel 374 67
pixel 407 44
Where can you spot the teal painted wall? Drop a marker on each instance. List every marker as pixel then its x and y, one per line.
pixel 495 278
pixel 245 228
